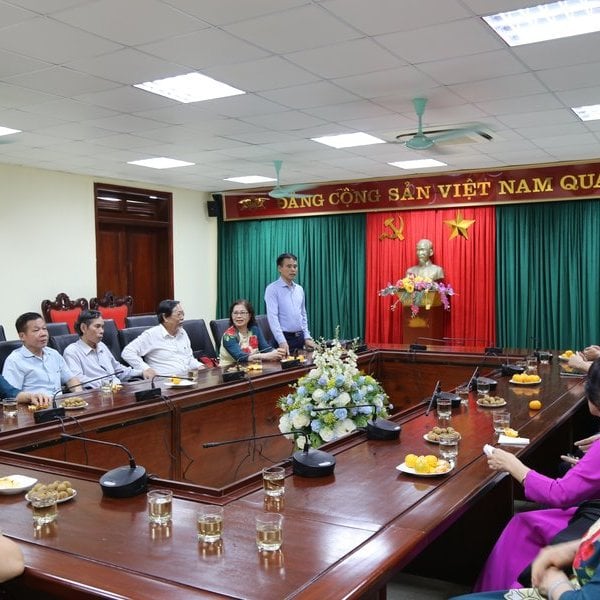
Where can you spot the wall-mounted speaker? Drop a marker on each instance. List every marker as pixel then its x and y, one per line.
pixel 214 206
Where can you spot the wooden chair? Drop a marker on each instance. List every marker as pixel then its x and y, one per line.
pixel 63 310
pixel 115 308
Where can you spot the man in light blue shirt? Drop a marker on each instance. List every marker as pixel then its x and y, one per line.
pixel 34 367
pixel 286 309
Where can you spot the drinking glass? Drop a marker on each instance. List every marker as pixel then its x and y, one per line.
pixel 209 520
pixel 444 408
pixel 463 392
pixel 483 386
pixel 9 408
pixel 44 507
pixel 273 481
pixel 544 357
pixel 269 531
pixel 532 364
pixel 449 447
pixel 160 503
pixel 501 420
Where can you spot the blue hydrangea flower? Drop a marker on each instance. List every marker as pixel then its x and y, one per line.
pixel 322 380
pixel 289 400
pixel 315 425
pixel 340 413
pixel 339 380
pixel 333 393
pixel 366 410
pixel 301 391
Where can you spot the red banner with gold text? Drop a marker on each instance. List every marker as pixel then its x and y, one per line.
pixel 539 183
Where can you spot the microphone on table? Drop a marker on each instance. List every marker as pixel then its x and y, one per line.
pixel 234 373
pixel 121 482
pixel 307 462
pixel 436 390
pixel 289 363
pixel 487 350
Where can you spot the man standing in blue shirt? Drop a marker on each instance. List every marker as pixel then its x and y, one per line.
pixel 286 309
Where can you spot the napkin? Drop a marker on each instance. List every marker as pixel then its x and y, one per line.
pixel 517 441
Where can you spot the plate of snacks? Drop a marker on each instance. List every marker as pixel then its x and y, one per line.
pixel 34 407
pixel 525 379
pixel 424 466
pixel 174 382
pixel 566 355
pixel 74 403
pixel 491 401
pixel 434 435
pixel 15 484
pixel 64 489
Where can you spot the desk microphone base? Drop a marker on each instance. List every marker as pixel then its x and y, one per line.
pixel 124 482
pixel 314 463
pixel 48 414
pixel 382 429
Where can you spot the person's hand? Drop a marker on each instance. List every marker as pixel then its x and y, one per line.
pixel 35 398
pixel 578 361
pixel 148 373
pixel 310 343
pixel 500 460
pixel 286 349
pixel 571 460
pixel 591 352
pixel 552 558
pixel 585 444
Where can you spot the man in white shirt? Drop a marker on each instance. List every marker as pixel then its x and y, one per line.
pixel 165 348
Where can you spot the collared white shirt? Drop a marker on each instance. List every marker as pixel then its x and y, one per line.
pixel 167 354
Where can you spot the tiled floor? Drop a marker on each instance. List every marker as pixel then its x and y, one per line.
pixel 411 587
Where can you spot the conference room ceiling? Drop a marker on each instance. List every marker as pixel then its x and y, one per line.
pixel 309 68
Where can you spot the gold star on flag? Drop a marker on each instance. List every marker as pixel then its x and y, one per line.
pixel 459 226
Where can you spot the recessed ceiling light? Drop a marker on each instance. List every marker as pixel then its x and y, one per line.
pixel 160 163
pixel 193 87
pixel 546 21
pixel 423 163
pixel 348 140
pixel 250 179
pixel 8 131
pixel 587 113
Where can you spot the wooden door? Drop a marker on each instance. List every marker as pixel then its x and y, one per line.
pixel 134 254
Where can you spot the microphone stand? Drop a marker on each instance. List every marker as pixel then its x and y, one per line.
pixel 434 396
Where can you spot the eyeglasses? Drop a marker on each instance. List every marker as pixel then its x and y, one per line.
pixel 240 313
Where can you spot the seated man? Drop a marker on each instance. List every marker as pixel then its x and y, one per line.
pixel 34 367
pixel 8 391
pixel 90 359
pixel 166 347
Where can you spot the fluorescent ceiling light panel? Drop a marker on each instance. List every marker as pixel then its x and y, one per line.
pixel 423 163
pixel 587 113
pixel 192 87
pixel 160 163
pixel 546 21
pixel 348 140
pixel 250 179
pixel 8 131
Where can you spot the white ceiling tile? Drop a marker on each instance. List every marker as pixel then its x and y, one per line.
pixel 13 64
pixel 511 86
pixel 285 121
pixel 126 99
pixel 294 29
pixel 120 21
pixel 310 95
pixel 47 7
pixel 576 76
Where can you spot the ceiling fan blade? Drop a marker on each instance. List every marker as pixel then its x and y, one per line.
pixel 288 191
pixel 459 132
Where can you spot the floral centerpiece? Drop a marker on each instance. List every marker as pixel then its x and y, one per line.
pixel 416 291
pixel 332 399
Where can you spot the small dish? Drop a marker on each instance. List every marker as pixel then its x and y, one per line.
pixel 539 380
pixel 486 405
pixel 564 357
pixel 15 484
pixel 60 500
pixel 76 406
pixel 182 383
pixel 458 438
pixel 404 469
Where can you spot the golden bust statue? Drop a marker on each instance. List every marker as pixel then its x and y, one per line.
pixel 426 268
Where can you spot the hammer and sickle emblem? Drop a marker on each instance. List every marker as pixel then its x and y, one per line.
pixel 396 231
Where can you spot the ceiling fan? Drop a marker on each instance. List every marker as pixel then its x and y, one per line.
pixel 282 191
pixel 421 141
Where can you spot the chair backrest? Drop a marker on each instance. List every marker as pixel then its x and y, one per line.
pixel 141 321
pixel 129 334
pixel 6 347
pixel 218 328
pixel 2 334
pixel 111 338
pixel 199 338
pixel 117 308
pixel 55 329
pixel 60 342
pixel 63 310
pixel 265 328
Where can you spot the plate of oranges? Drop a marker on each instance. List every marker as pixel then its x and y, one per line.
pixel 525 379
pixel 566 355
pixel 424 466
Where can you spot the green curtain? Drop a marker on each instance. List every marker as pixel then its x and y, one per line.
pixel 548 275
pixel 331 262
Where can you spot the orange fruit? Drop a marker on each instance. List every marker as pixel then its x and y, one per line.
pixel 410 460
pixel 535 405
pixel 432 460
pixel 421 465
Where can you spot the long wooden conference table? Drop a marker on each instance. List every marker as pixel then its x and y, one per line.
pixel 345 535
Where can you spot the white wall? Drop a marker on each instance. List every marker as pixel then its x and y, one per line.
pixel 47 242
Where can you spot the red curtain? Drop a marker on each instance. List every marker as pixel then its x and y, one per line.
pixel 469 266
